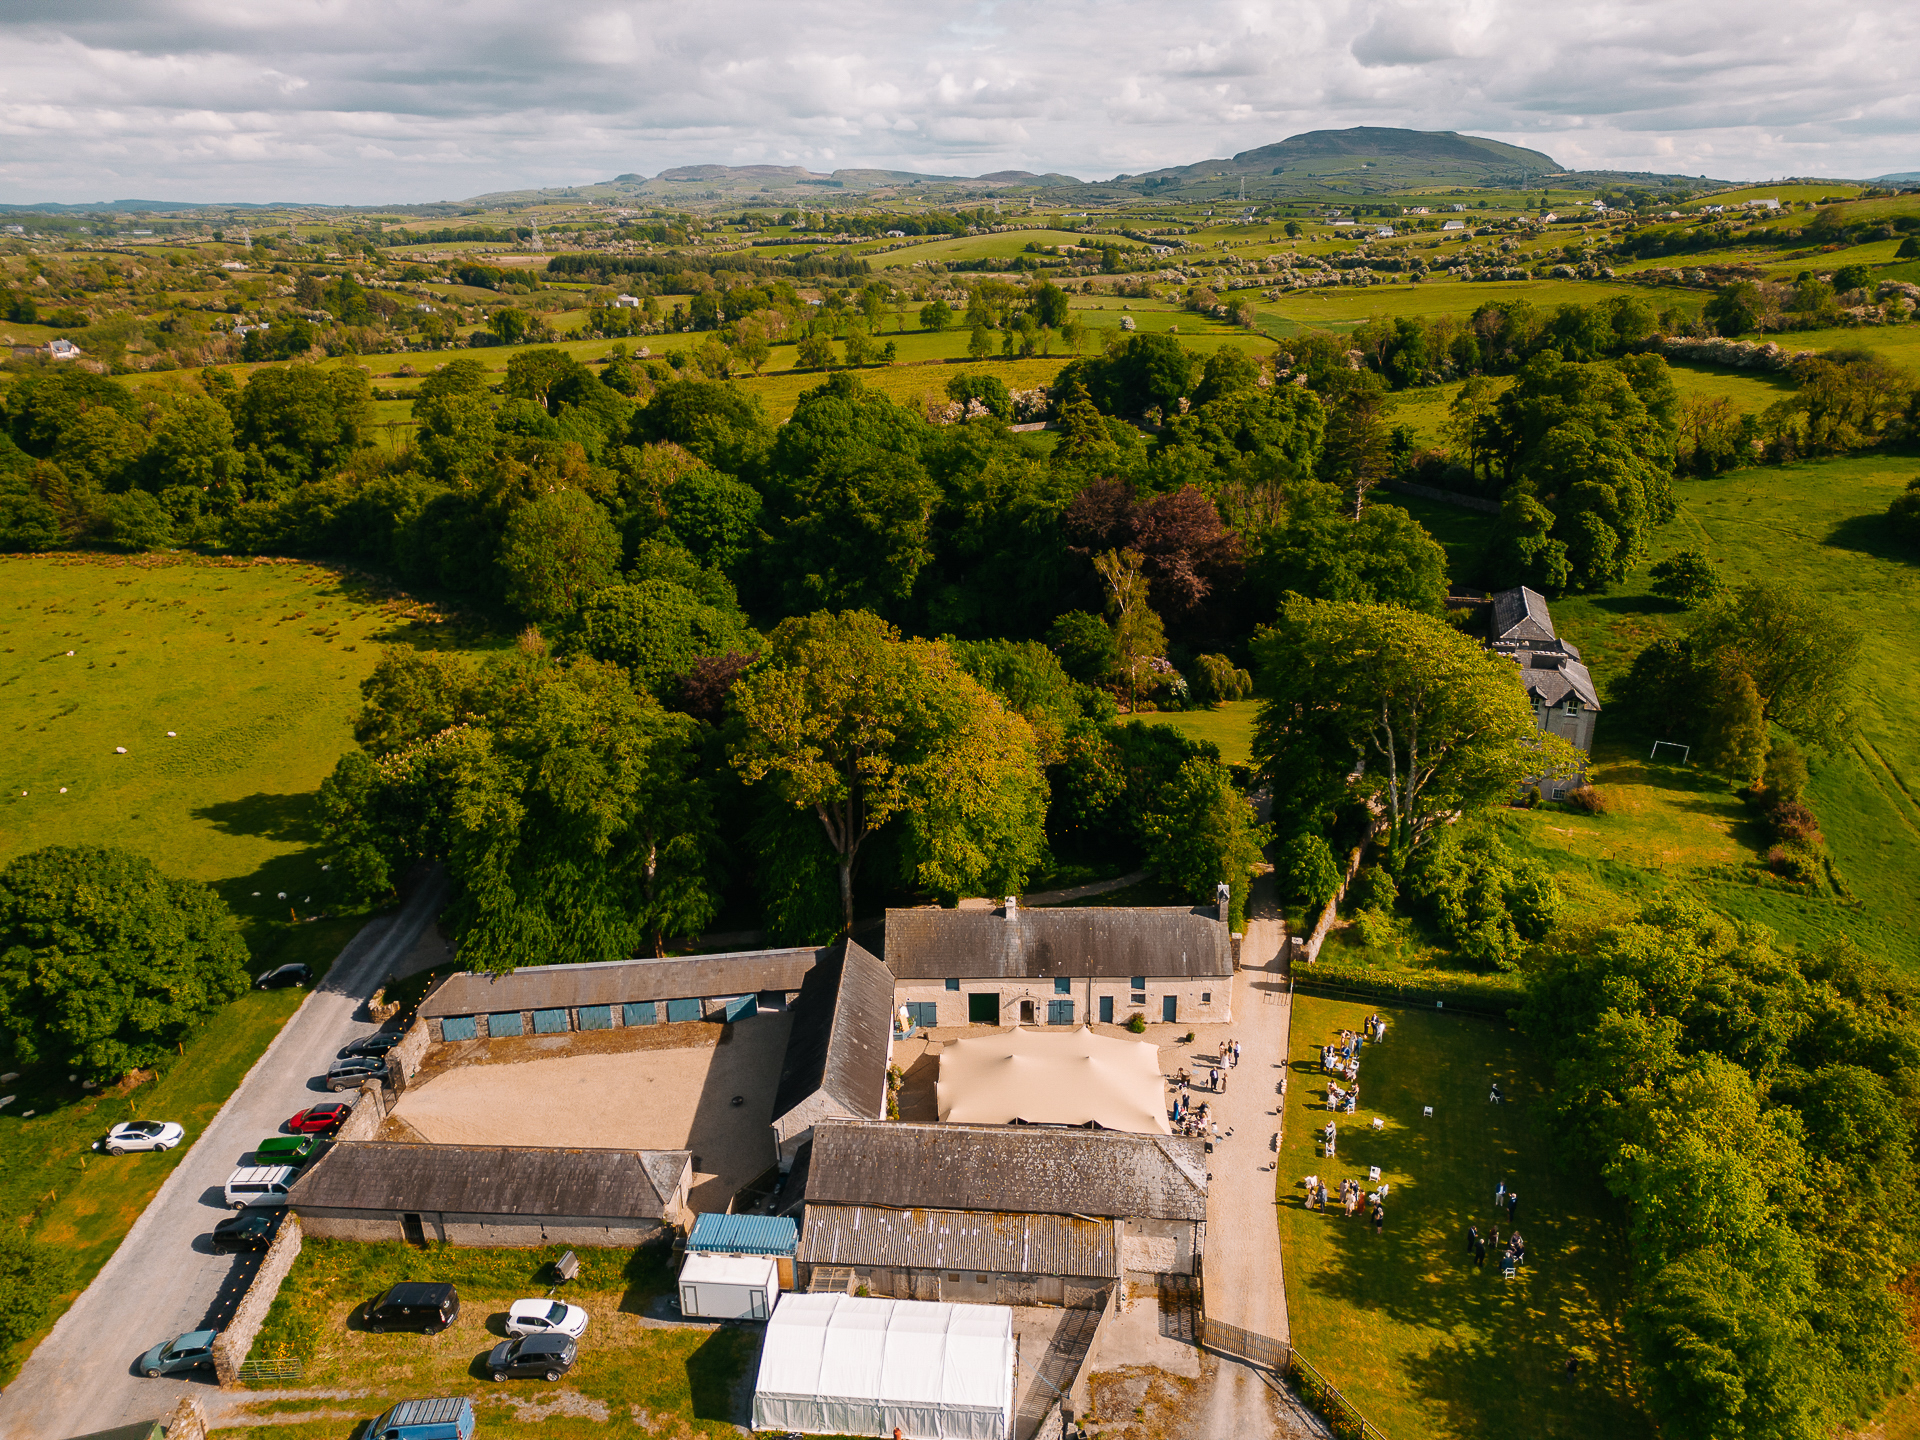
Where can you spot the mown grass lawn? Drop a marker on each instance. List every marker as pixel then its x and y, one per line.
pixel 633 1377
pixel 1402 1323
pixel 1228 726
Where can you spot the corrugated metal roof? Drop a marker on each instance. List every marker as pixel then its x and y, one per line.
pixel 1032 944
pixel 1019 1169
pixel 744 1234
pixel 838 1042
pixel 620 982
pixel 492 1180
pixel 959 1240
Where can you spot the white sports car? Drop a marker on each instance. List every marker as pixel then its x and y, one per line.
pixel 546 1317
pixel 141 1135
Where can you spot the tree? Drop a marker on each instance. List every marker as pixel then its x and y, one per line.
pixel 1310 872
pixel 1688 577
pixel 1137 633
pixel 1384 558
pixel 1356 456
pixel 511 324
pixel 1799 651
pixel 1399 709
pixel 105 963
pixel 1085 645
pixel 1200 831
pixel 1733 740
pixel 658 631
pixel 1049 304
pixel 979 343
pixel 862 728
pixel 1903 514
pixel 556 551
pixel 936 316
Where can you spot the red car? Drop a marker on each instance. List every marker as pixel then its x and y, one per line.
pixel 318 1118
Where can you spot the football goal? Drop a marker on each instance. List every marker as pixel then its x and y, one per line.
pixel 1686 751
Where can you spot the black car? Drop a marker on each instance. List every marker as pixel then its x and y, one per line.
pixel 286 975
pixel 249 1230
pixel 547 1356
pixel 428 1308
pixel 376 1044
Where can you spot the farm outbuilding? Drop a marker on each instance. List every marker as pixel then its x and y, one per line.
pixel 846 1365
pixel 492 1194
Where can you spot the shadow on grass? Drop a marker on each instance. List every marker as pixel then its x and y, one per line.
pixel 273 817
pixel 1869 535
pixel 1635 604
pixel 713 1369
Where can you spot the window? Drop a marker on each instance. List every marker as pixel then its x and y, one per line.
pixel 1139 982
pixel 1573 706
pixel 1139 993
pixel 953 984
pixel 1062 985
pixel 1206 997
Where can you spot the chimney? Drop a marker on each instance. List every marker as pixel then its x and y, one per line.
pixel 1223 899
pixel 1013 907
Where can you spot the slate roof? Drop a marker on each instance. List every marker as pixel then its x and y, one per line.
pixel 617 982
pixel 384 1176
pixel 1553 677
pixel 1016 1169
pixel 959 1240
pixel 1160 941
pixel 1521 614
pixel 838 1043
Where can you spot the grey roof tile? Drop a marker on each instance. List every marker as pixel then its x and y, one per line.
pixel 930 943
pixel 382 1175
pixel 618 982
pixel 838 1042
pixel 959 1240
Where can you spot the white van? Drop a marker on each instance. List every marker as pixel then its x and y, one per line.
pixel 259 1185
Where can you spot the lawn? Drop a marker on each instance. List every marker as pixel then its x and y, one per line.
pixel 633 1377
pixel 1402 1323
pixel 1228 726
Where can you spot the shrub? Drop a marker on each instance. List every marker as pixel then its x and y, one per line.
pixel 1794 825
pixel 1793 864
pixel 1488 904
pixel 1137 1023
pixel 1587 799
pixel 1786 772
pixel 1215 679
pixel 1373 889
pixel 1311 874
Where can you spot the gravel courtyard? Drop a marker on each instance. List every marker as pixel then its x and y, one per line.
pixel 518 1092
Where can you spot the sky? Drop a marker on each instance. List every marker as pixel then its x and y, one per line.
pixel 392 101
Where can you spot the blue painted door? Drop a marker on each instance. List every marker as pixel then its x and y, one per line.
pixel 1106 1009
pixel 507 1022
pixel 638 1013
pixel 1169 1008
pixel 683 1009
pixel 1060 1012
pixel 549 1022
pixel 743 1006
pixel 459 1027
pixel 596 1017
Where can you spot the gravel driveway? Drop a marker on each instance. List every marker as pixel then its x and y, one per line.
pixel 164 1279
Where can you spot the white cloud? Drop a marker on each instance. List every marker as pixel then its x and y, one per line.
pixel 372 100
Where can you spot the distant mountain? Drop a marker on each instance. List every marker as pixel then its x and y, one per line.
pixel 1903 177
pixel 1366 160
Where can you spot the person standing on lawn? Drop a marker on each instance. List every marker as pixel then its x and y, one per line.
pixel 1473 1237
pixel 1479 1254
pixel 1513 1205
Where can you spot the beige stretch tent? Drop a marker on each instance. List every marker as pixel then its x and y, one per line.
pixel 1054 1078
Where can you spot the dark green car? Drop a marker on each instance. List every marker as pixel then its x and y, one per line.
pixel 286 1149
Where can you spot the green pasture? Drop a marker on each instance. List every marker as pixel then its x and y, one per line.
pixel 1816 524
pixel 908 384
pixel 1339 308
pixel 1229 727
pixel 991 247
pixel 1750 391
pixel 1782 193
pixel 255 667
pixel 1402 1323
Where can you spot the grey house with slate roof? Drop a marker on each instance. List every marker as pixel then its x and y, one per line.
pixel 505 1195
pixel 1565 702
pixel 976 1212
pixel 1014 964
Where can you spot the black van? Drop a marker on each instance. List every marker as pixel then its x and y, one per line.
pixel 414 1306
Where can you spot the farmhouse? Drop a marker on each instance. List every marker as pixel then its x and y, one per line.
pixel 1557 682
pixel 492 1194
pixel 982 965
pixel 1001 1214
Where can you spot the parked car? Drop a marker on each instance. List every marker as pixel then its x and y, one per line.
pixel 249 1230
pixel 318 1119
pixel 141 1135
pixel 286 975
pixel 414 1305
pixel 259 1185
pixel 446 1418
pixel 378 1043
pixel 183 1352
pixel 285 1149
pixel 548 1356
pixel 546 1317
pixel 352 1074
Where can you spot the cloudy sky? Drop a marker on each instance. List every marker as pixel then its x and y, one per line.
pixel 372 101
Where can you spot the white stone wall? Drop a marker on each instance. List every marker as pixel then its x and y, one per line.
pixel 1207 1001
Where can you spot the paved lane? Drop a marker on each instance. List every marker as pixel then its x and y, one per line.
pixel 164 1279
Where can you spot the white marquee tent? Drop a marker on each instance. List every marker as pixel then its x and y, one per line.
pixel 845 1365
pixel 1047 1077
